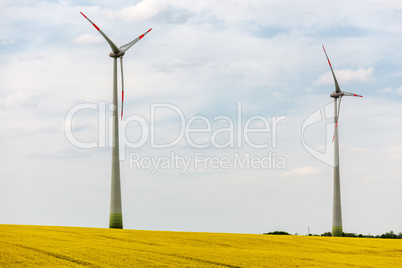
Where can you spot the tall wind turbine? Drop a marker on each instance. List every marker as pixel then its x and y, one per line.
pixel 337 212
pixel 116 215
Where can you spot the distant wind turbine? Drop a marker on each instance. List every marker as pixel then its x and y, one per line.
pixel 116 215
pixel 337 212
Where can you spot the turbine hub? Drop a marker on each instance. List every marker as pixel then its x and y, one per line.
pixel 336 95
pixel 117 55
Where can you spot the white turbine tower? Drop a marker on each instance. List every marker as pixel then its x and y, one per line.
pixel 337 229
pixel 116 216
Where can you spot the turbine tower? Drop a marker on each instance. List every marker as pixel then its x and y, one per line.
pixel 337 229
pixel 116 215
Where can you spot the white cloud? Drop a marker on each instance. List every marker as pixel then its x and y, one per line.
pixel 7 41
pixel 88 39
pixel 399 90
pixel 144 10
pixel 394 153
pixel 17 100
pixel 304 171
pixel 345 76
pixel 181 63
pixel 277 94
pixel 386 90
pixel 152 9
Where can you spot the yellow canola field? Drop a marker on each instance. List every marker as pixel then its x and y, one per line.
pixel 47 246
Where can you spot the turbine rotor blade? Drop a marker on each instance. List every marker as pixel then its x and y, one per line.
pixel 337 88
pixel 114 48
pixel 339 108
pixel 351 94
pixel 128 45
pixel 337 117
pixel 122 87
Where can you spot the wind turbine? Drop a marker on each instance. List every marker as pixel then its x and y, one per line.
pixel 337 212
pixel 116 216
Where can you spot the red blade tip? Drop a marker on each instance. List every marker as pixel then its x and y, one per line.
pixel 83 14
pixel 336 126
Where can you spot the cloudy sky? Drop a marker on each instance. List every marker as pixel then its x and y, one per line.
pixel 207 71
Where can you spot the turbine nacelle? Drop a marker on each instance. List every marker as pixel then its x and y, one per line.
pixel 116 216
pixel 118 54
pixel 336 95
pixel 340 94
pixel 337 228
